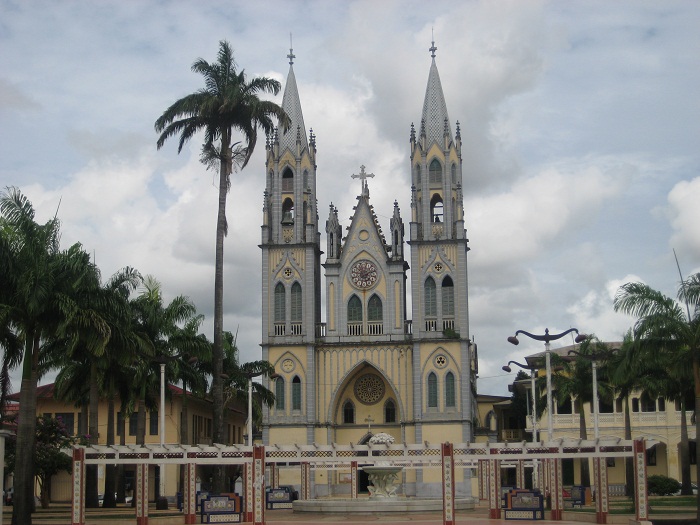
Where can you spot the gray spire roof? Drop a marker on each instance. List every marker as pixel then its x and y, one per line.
pixel 292 106
pixel 435 120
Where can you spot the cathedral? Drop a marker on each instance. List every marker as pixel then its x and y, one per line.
pixel 368 361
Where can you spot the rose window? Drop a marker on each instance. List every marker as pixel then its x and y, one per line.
pixel 369 389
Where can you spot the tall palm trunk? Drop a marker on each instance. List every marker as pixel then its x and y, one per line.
pixel 26 436
pixel 629 462
pixel 92 500
pixel 583 434
pixel 110 501
pixel 218 346
pixel 121 487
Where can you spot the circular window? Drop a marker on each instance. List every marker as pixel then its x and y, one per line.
pixel 369 389
pixel 440 361
pixel 438 267
pixel 287 272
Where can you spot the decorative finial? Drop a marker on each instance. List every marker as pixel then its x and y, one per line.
pixel 291 56
pixel 432 48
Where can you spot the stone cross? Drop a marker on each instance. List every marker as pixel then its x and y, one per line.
pixel 369 419
pixel 363 176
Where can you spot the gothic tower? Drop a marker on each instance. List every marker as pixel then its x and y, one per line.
pixel 291 269
pixel 443 356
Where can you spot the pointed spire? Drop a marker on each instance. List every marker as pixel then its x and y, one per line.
pixel 435 119
pixel 292 106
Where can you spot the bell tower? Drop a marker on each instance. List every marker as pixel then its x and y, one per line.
pixel 438 243
pixel 291 269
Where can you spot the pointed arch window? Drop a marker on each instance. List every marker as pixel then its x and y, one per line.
pixel 296 303
pixel 430 303
pixel 448 297
pixel 279 393
pixel 280 314
pixel 418 175
pixel 453 170
pixel 288 180
pixel 374 308
pixel 435 172
pixel 432 390
pixel 348 413
pixel 390 412
pixel 288 211
pixel 354 310
pixel 296 393
pixel 449 390
pixel 437 209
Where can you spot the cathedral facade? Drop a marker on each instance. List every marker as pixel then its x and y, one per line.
pixel 373 362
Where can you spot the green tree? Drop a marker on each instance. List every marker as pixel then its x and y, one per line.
pixel 227 104
pixel 573 378
pixel 668 326
pixel 39 303
pixel 51 437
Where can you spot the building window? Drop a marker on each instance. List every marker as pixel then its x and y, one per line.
pixel 133 423
pixel 453 169
pixel 390 412
pixel 279 393
pixel 348 413
pixel 648 404
pixel 296 393
pixel 651 456
pixel 280 313
pixel 565 406
pixel 153 423
pixel 450 390
pixel 354 310
pixel 635 404
pixel 68 419
pixel 436 209
pixel 296 303
pixel 435 172
pixel 448 297
pixel 430 302
pixel 288 212
pixel 662 404
pixel 432 390
pixel 288 180
pixel 418 177
pixel 374 309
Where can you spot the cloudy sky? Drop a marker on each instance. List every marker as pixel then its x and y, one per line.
pixel 580 125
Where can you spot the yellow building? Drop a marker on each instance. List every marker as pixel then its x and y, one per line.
pixel 656 420
pixel 199 431
pixel 378 362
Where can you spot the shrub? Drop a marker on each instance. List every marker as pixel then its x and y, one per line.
pixel 662 485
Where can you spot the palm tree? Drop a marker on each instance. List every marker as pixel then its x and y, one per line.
pixel 573 378
pixel 226 104
pixel 38 304
pixel 664 326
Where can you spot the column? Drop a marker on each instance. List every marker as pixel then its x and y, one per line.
pixel 641 500
pixel 258 485
pixel 483 479
pixel 520 474
pixel 189 496
pixel 448 485
pixel 353 479
pixel 274 476
pixel 494 487
pixel 78 504
pixel 305 481
pixel 555 486
pixel 141 494
pixel 600 481
pixel 248 490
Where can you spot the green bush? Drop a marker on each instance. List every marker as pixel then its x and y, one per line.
pixel 662 485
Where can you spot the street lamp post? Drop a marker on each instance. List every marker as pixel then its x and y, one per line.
pixel 594 367
pixel 547 338
pixel 533 413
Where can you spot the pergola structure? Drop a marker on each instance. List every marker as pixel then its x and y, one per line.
pixel 485 458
